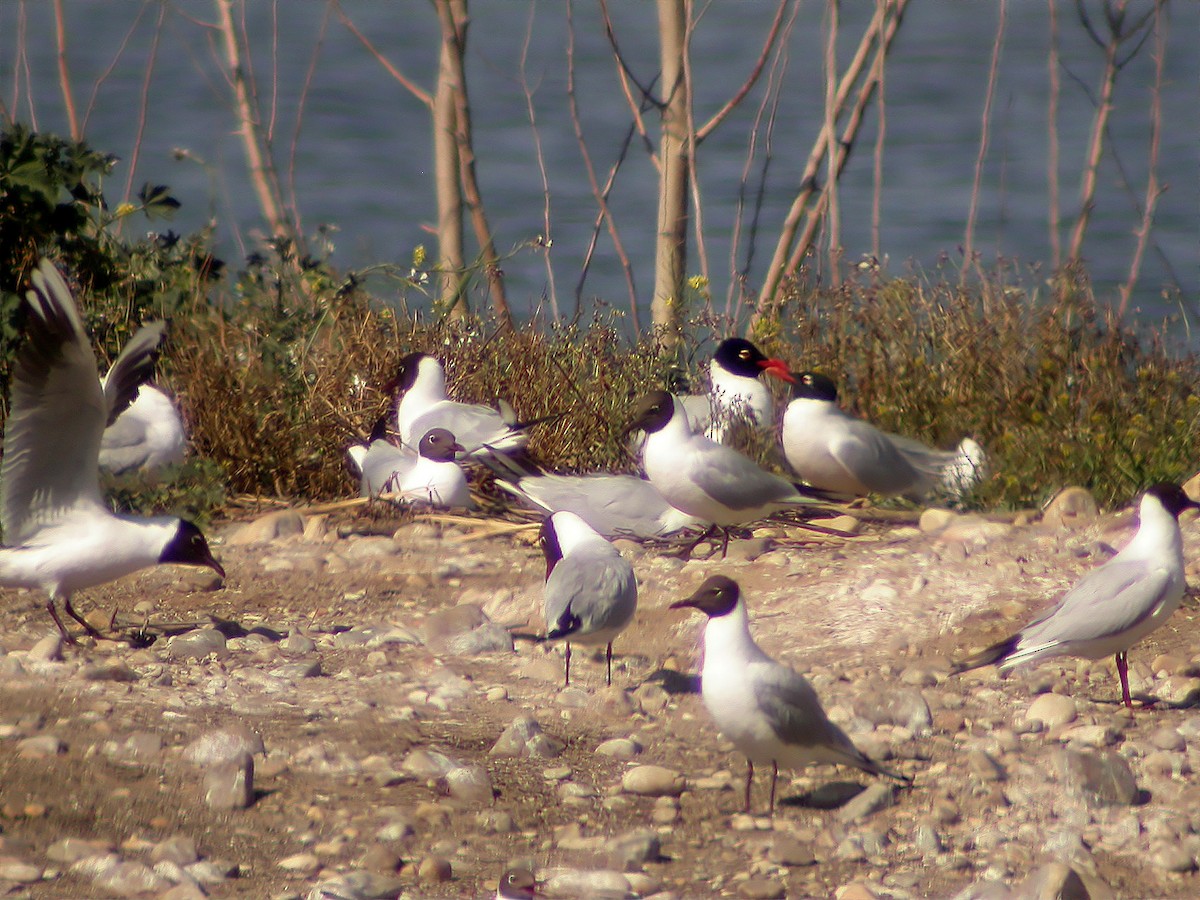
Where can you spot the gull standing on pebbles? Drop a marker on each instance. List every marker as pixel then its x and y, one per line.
pixel 591 593
pixel 422 404
pixel 1113 607
pixel 59 533
pixel 766 710
pixel 695 474
pixel 834 451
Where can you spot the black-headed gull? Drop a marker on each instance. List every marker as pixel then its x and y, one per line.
pixel 695 474
pixel 422 404
pixel 834 451
pixel 736 392
pixel 146 437
pixel 591 593
pixel 60 536
pixel 1114 606
pixel 518 884
pixel 430 476
pixel 766 710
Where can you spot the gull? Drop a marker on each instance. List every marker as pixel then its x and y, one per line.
pixel 518 884
pixel 702 478
pixel 834 451
pixel 59 534
pixel 612 505
pixel 736 390
pixel 147 436
pixel 768 711
pixel 429 476
pixel 422 404
pixel 1114 606
pixel 590 594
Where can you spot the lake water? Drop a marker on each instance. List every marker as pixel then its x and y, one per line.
pixel 359 154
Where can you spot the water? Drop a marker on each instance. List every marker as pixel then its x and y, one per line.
pixel 359 155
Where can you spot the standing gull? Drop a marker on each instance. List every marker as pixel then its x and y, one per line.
pixel 766 710
pixel 59 534
pixel 1113 607
pixel 834 451
pixel 702 478
pixel 591 593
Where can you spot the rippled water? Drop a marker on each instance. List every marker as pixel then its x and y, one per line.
pixel 360 155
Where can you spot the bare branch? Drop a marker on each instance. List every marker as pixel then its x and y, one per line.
pixel 407 83
pixel 546 242
pixel 985 128
pixel 733 102
pixel 626 76
pixel 143 105
pixel 64 77
pixel 1052 186
pixel 833 230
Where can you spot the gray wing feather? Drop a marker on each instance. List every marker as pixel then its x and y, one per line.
pixel 589 591
pixel 134 365
pixel 1107 601
pixel 736 481
pixel 610 504
pixel 870 456
pixel 384 466
pixel 57 414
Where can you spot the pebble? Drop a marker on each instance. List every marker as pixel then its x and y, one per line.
pixel 300 863
pixel 471 784
pixel 653 781
pixel 1052 710
pixel 230 784
pixel 875 797
pixel 198 644
pixel 762 889
pixel 525 738
pixel 70 850
pixel 270 527
pixel 1103 779
pixel 631 850
pixel 1072 507
pixel 619 748
pixel 786 850
pixel 1172 858
pixel 18 871
pixel 595 883
pixel 434 870
pixel 359 885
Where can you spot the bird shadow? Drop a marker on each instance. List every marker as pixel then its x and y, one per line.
pixel 675 682
pixel 831 795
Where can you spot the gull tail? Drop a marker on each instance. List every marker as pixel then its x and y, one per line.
pixel 993 655
pixel 968 467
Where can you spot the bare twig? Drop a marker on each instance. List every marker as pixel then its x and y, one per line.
pixel 969 260
pixel 833 230
pixel 143 105
pixel 546 241
pixel 625 75
pixel 1052 187
pixel 87 113
pixel 64 76
pixel 407 83
pixel 877 162
pixel 732 103
pixel 301 103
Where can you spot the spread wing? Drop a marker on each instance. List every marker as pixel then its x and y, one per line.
pixel 57 415
pixel 134 365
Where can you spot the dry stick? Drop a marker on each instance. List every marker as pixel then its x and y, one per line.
pixel 605 214
pixel 454 20
pixel 969 260
pixel 260 166
pixel 292 202
pixel 64 77
pixel 697 208
pixel 1153 191
pixel 87 113
pixel 143 104
pixel 778 267
pixel 625 76
pixel 853 123
pixel 546 240
pixel 877 163
pixel 447 175
pixel 407 83
pixel 670 251
pixel 833 230
pixel 1055 211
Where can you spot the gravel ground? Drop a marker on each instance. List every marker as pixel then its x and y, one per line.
pixel 354 719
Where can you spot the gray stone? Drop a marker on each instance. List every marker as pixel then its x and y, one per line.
pixel 786 850
pixel 425 763
pixel 1103 779
pixel 1072 507
pixel 185 891
pixel 125 879
pixel 300 863
pixel 631 850
pixel 271 527
pixel 41 745
pixel 230 784
pixel 18 871
pixel 70 850
pixel 198 644
pixel 525 738
pixel 874 798
pixel 297 644
pixel 904 706
pixel 179 849
pixel 762 889
pixel 223 745
pixel 1168 738
pixel 984 767
pixel 619 748
pixel 1054 881
pixel 142 748
pixel 434 870
pixel 470 784
pixel 110 670
pixel 653 781
pixel 48 649
pixel 358 885
pixel 596 884
pixel 1172 858
pixel 1052 710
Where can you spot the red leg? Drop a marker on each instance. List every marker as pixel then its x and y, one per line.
pixel 749 781
pixel 567 681
pixel 62 629
pixel 1123 672
pixel 78 618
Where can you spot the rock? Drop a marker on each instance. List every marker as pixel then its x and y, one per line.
pixel 142 748
pixel 41 745
pixel 599 884
pixel 762 889
pixel 358 885
pixel 1072 507
pixel 18 871
pixel 895 706
pixel 1168 738
pixel 223 745
pixel 1103 779
pixel 470 784
pixel 434 870
pixel 184 891
pixel 179 849
pixel 300 863
pixel 425 763
pixel 934 520
pixel 619 748
pixel 629 851
pixel 653 781
pixel 70 850
pixel 525 738
pixel 125 879
pixel 230 784
pixel 1052 710
pixel 48 649
pixel 198 644
pixel 1169 857
pixel 874 798
pixel 110 670
pixel 1178 690
pixel 984 767
pixel 271 527
pixel 1054 881
pixel 786 850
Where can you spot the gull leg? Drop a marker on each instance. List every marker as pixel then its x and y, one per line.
pixel 774 776
pixel 686 552
pixel 80 619
pixel 62 629
pixel 608 659
pixel 1123 673
pixel 567 680
pixel 749 781
pixel 724 541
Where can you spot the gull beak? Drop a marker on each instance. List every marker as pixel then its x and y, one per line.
pixel 778 368
pixel 682 604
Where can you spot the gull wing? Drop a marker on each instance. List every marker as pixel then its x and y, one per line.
pixel 134 365
pixel 874 459
pixel 384 466
pixel 732 479
pixel 588 591
pixel 57 415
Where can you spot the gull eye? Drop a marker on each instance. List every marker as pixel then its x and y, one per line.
pixel 744 354
pixel 808 379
